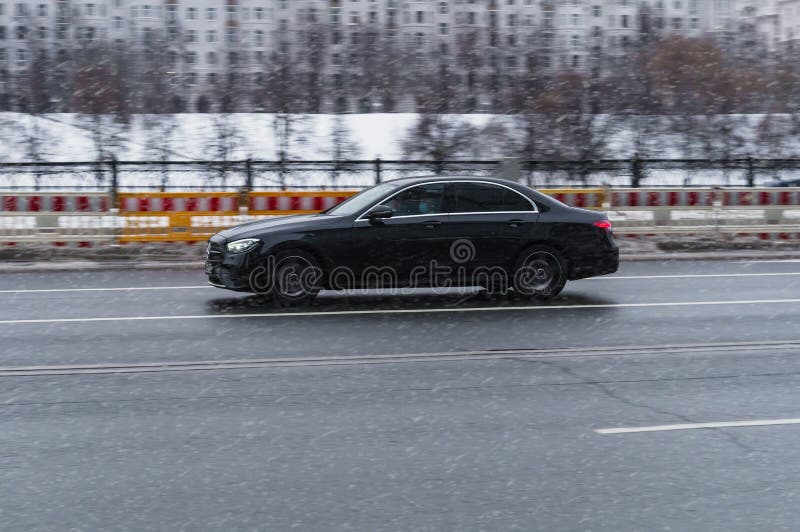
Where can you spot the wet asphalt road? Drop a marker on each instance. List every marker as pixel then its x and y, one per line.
pixel 490 441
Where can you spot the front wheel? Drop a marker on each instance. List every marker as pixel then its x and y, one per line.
pixel 540 273
pixel 291 277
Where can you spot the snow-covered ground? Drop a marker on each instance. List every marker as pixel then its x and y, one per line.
pixel 188 137
pixel 69 137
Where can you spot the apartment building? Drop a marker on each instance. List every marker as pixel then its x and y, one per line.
pixel 205 39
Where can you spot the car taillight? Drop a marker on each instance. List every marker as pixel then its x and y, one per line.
pixel 605 225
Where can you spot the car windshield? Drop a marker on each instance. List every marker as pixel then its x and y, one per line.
pixel 362 200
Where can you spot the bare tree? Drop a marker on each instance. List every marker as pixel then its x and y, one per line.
pixel 438 138
pixel 342 145
pixel 99 98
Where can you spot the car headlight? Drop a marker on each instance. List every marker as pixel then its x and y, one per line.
pixel 240 246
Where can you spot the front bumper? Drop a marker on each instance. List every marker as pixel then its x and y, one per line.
pixel 228 270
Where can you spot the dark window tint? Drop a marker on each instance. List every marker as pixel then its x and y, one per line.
pixel 481 197
pixel 422 199
pixel 516 202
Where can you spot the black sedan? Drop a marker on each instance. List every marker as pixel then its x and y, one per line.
pixel 419 232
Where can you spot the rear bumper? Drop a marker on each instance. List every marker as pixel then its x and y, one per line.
pixel 604 263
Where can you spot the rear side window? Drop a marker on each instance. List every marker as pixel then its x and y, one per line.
pixel 484 197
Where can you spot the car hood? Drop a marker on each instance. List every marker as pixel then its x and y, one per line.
pixel 297 222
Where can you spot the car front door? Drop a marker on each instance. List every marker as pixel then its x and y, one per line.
pixel 488 222
pixel 410 243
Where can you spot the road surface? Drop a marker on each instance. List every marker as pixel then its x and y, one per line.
pixel 148 401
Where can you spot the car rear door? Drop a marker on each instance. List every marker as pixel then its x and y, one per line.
pixel 488 223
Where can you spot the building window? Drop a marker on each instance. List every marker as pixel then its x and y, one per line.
pixel 211 13
pixel 211 36
pixel 191 13
pixel 22 57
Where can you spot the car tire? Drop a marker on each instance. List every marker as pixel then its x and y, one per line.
pixel 540 273
pixel 296 276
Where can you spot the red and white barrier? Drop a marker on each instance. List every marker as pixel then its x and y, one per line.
pixel 761 198
pixel 701 198
pixel 578 198
pixel 290 203
pixel 642 198
pixel 143 203
pixel 56 203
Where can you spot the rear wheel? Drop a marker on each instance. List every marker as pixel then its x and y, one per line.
pixel 540 273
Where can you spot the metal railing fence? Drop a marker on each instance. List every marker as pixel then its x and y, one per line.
pixel 254 174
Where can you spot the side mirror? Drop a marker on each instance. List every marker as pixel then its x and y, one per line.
pixel 378 213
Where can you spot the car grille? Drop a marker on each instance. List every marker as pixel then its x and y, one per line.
pixel 214 253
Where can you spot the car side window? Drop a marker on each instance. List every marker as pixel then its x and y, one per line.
pixel 516 202
pixel 485 197
pixel 419 200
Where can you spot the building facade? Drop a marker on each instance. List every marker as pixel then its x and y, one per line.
pixel 203 41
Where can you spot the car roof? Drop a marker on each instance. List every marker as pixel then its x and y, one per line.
pixel 424 179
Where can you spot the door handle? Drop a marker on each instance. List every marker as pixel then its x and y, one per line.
pixel 432 224
pixel 516 223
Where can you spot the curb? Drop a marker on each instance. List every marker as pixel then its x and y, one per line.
pixel 709 255
pixel 92 266
pixel 120 265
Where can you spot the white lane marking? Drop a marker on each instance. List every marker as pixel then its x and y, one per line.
pixel 122 289
pixel 606 278
pixel 403 311
pixel 694 426
pixel 689 276
pixel 781 261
